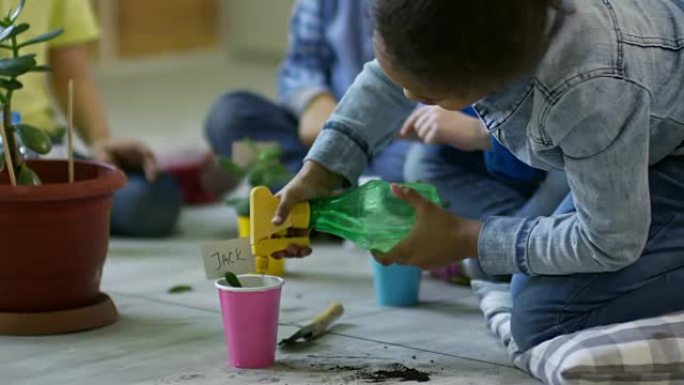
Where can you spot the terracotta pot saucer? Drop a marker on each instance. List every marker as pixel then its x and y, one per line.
pixel 101 313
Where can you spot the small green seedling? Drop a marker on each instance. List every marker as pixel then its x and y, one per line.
pixel 232 280
pixel 266 170
pixel 179 289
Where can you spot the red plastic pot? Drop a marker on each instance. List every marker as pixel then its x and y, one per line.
pixel 54 237
pixel 187 168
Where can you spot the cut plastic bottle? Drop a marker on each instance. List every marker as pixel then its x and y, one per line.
pixel 370 216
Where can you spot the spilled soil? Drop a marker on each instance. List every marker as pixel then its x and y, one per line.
pixel 394 373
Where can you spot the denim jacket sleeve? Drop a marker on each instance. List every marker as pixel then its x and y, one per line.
pixel 303 73
pixel 601 129
pixel 365 121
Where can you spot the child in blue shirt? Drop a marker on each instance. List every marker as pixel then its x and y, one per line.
pixel 330 41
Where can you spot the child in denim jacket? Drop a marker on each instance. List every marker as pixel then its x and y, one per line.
pixel 592 87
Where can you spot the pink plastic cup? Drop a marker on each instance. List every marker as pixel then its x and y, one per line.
pixel 250 319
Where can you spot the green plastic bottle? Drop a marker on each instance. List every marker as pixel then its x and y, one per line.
pixel 370 215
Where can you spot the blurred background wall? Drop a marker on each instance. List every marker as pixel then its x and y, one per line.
pixel 133 29
pixel 162 63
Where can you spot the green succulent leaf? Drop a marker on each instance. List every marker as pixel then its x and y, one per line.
pixel 231 167
pixel 57 134
pixel 3 99
pixel 10 84
pixel 41 68
pixel 34 138
pixel 2 160
pixel 13 67
pixel 179 289
pixel 241 206
pixel 42 38
pixel 28 177
pixel 7 32
pixel 232 280
pixel 19 29
pixel 14 15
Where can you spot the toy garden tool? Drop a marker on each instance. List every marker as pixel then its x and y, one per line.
pixel 265 237
pixel 317 326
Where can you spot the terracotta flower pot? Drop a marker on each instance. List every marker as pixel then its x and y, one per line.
pixel 54 237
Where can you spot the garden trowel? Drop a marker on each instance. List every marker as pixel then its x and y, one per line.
pixel 317 326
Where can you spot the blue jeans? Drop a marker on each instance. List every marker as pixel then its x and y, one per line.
pixel 144 209
pixel 547 306
pixel 240 115
pixel 471 190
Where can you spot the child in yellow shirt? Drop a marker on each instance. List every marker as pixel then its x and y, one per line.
pixel 150 203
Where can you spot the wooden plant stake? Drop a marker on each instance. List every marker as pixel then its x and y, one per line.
pixel 9 162
pixel 70 129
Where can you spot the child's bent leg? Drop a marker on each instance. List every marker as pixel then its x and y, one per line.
pixel 548 306
pixel 240 115
pixel 389 164
pixel 146 209
pixel 551 306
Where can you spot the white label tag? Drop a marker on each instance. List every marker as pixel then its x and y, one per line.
pixel 233 256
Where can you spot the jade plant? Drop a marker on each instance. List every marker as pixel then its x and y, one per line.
pixel 13 66
pixel 265 170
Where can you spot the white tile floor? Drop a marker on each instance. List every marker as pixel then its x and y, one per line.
pixel 177 339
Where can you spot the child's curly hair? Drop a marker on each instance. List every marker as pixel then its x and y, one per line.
pixel 473 45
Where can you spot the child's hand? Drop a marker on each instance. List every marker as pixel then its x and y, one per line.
pixel 312 181
pixel 437 239
pixel 294 251
pixel 435 125
pixel 127 154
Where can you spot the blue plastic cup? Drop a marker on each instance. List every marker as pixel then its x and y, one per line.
pixel 396 285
